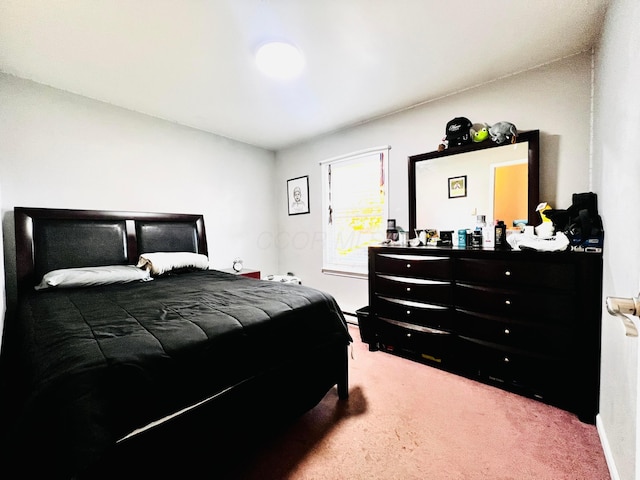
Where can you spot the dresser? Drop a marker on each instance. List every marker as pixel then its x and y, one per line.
pixel 525 321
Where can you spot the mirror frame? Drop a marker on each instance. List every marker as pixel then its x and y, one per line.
pixel 533 170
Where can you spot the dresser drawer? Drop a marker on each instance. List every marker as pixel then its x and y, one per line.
pixel 432 345
pixel 540 307
pixel 410 312
pixel 552 340
pixel 436 291
pixel 537 274
pixel 422 266
pixel 544 377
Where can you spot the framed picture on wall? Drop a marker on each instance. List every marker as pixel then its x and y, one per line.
pixel 458 186
pixel 298 195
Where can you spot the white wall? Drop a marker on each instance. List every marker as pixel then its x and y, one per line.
pixel 65 151
pixel 556 99
pixel 616 180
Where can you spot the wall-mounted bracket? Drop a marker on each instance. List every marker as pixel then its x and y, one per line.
pixel 621 307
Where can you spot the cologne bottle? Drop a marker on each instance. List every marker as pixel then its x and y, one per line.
pixel 481 222
pixel 500 234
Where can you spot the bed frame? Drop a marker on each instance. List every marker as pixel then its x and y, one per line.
pixel 48 239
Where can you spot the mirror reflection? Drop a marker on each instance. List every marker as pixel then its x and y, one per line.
pixel 449 189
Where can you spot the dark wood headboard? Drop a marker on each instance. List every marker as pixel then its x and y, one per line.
pixel 49 239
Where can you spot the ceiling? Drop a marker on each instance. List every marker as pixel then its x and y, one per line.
pixel 190 61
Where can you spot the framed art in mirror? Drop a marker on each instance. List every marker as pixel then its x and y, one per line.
pixel 457 186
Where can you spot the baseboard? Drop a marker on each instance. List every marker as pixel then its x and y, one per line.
pixel 604 441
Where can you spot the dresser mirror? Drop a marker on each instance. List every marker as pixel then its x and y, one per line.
pixel 448 189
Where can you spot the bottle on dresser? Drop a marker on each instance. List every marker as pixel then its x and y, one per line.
pixel 500 236
pixel 483 234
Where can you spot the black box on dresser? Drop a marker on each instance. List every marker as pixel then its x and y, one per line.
pixel 525 321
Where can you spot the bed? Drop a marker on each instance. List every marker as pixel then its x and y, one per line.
pixel 96 359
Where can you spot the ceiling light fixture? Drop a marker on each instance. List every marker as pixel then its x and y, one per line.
pixel 280 60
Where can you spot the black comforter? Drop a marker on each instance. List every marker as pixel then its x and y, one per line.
pixel 96 363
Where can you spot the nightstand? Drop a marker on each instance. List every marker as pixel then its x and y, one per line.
pixel 245 272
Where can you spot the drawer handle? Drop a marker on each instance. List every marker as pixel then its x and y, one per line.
pixel 408 289
pixel 507 273
pixel 408 265
pixel 507 302
pixel 408 312
pixel 507 331
pixel 506 360
pixel 408 335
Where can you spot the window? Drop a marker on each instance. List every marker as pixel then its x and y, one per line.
pixel 354 209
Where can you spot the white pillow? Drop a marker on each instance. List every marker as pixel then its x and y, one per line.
pixel 162 262
pixel 93 276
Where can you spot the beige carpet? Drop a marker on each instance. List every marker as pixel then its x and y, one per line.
pixel 406 421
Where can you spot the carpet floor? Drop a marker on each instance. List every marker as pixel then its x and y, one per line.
pixel 405 420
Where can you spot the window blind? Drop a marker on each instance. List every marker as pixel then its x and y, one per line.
pixel 355 209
